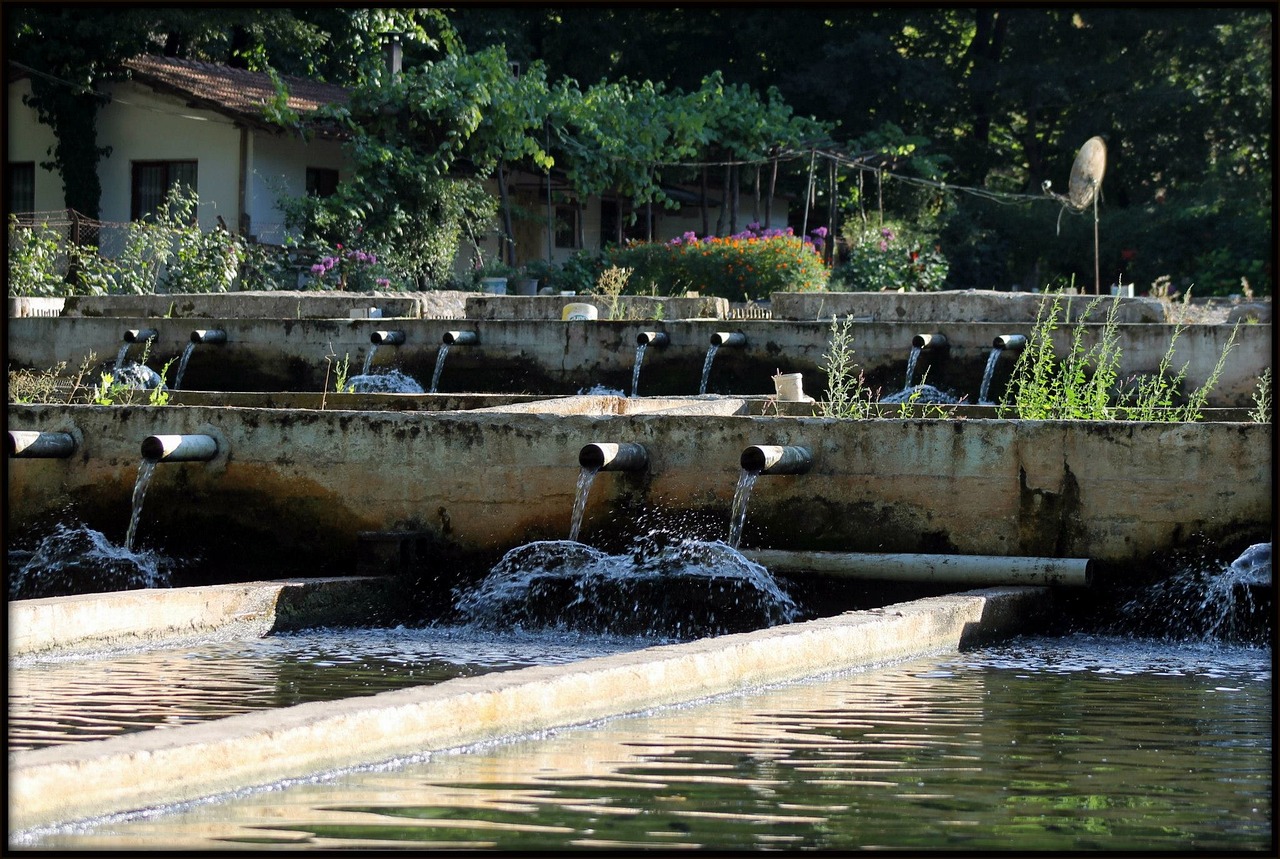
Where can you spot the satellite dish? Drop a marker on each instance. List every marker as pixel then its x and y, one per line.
pixel 1086 174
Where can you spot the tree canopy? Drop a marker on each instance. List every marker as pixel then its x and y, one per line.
pixel 979 105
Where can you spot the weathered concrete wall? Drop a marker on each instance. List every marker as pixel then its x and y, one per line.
pixel 634 307
pixel 169 616
pixel 77 780
pixel 971 305
pixel 299 486
pixel 271 304
pixel 567 357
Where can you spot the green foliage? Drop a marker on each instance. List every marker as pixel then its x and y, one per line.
pixel 847 393
pixel 744 267
pixel 53 385
pixel 1261 413
pixel 1084 384
pixel 891 258
pixel 36 260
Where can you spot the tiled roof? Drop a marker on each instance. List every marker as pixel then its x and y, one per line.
pixel 236 92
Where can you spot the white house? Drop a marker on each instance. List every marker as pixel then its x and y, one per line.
pixel 204 124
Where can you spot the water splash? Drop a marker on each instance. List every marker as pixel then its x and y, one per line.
pixel 681 589
pixel 145 470
pixel 1206 598
pixel 738 511
pixel 76 559
pixel 585 478
pixel 986 377
pixel 137 376
pixel 911 364
pixel 635 372
pixel 440 356
pixel 122 354
pixel 921 394
pixel 706 367
pixel 182 365
pixel 390 382
pixel 368 360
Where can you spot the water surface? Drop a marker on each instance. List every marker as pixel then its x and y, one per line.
pixel 1079 743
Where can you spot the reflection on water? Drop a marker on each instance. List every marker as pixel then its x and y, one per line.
pixel 1081 743
pixel 68 700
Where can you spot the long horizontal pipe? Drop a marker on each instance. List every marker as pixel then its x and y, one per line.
pixel 929 341
pixel 729 338
pixel 911 567
pixel 613 456
pixel 776 459
pixel 208 335
pixel 658 339
pixel 179 448
pixel 28 444
pixel 387 338
pixel 138 335
pixel 461 338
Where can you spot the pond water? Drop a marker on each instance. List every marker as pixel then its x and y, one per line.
pixel 75 699
pixel 1083 742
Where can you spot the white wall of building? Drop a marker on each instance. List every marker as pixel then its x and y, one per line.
pixel 31 141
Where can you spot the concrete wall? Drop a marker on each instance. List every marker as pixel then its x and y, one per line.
pixel 566 357
pixel 971 305
pixel 298 487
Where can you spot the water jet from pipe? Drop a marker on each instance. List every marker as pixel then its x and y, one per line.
pixel 1015 342
pixel 208 335
pixel 656 339
pixel 387 338
pixel 734 339
pixel 140 335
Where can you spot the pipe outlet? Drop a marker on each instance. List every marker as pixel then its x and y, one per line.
pixel 1016 342
pixel 25 444
pixel 610 456
pixel 179 448
pixel 461 338
pixel 387 338
pixel 140 335
pixel 729 338
pixel 776 459
pixel 657 339
pixel 208 335
pixel 929 341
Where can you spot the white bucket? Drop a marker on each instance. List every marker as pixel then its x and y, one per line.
pixel 790 388
pixel 579 310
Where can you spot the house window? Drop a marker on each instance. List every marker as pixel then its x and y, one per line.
pixel 567 227
pixel 22 187
pixel 322 182
pixel 152 181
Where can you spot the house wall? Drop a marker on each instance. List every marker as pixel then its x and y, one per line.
pixel 31 141
pixel 279 169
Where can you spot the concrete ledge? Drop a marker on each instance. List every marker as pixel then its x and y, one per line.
pixel 270 304
pixel 75 781
pixel 971 305
pixel 551 307
pixel 151 617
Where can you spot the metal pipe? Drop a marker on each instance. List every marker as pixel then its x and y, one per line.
pixel 1015 342
pixel 911 567
pixel 461 338
pixel 208 335
pixel 179 448
pixel 387 338
pixel 776 459
pixel 929 341
pixel 610 456
pixel 25 444
pixel 139 335
pixel 729 338
pixel 657 339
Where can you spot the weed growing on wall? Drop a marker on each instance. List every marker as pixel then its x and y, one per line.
pixel 847 393
pixel 1261 413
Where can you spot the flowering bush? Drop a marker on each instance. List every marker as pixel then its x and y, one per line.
pixel 743 267
pixel 349 268
pixel 890 259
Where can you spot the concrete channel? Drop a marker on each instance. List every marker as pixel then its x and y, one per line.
pixel 61 784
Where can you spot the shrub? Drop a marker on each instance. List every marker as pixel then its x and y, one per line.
pixel 35 260
pixel 743 267
pixel 890 258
